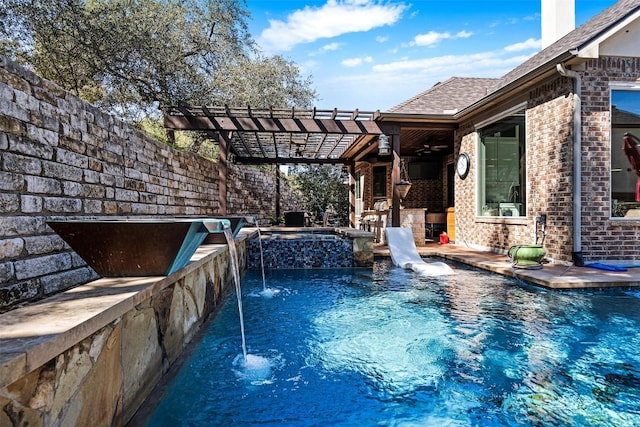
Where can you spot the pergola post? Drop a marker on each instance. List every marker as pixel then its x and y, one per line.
pixel 395 178
pixel 352 195
pixel 222 175
pixel 278 191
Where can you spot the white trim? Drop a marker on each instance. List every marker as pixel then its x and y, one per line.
pixel 592 49
pixel 617 86
pixel 476 173
pixel 480 185
pixel 624 85
pixel 506 113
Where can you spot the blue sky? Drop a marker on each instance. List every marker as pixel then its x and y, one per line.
pixel 374 54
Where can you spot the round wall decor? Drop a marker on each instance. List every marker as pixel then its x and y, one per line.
pixel 462 165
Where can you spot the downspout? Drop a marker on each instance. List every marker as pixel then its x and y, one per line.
pixel 578 259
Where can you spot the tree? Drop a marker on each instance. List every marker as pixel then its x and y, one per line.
pixel 323 187
pixel 262 82
pixel 129 56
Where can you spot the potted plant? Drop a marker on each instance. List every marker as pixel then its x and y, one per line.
pixel 276 220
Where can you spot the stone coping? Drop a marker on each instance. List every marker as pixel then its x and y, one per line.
pixel 35 333
pixel 343 231
pixel 552 276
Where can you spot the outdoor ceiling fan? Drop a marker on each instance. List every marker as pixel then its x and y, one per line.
pixel 426 149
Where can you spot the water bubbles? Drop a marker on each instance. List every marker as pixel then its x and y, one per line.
pixel 252 368
pixel 269 292
pixel 266 293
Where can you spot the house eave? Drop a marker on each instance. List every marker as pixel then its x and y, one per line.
pixel 416 118
pixel 518 85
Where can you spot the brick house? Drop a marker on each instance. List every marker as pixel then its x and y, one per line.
pixel 543 141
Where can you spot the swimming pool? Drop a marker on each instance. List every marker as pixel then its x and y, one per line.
pixel 384 347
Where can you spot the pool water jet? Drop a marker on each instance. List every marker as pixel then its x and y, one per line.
pixel 253 367
pixel 266 292
pixel 235 269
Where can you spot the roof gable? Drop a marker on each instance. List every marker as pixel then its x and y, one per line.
pixel 447 97
pixel 575 41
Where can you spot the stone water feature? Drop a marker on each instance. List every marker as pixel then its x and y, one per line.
pixel 92 354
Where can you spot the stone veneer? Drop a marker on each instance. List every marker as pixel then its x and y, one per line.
pixel 92 354
pixel 61 157
pixel 414 219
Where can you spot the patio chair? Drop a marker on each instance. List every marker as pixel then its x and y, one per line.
pixel 294 219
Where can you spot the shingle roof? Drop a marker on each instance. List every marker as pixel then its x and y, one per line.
pixel 459 93
pixel 447 97
pixel 575 40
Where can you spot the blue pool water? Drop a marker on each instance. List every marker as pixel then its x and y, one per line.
pixel 386 348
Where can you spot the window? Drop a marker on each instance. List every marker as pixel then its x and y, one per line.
pixel 625 118
pixel 501 167
pixel 380 181
pixel 424 170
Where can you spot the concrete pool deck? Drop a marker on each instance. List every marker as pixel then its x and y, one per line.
pixel 551 275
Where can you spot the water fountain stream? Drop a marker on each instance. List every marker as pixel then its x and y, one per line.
pixel 264 282
pixel 235 268
pixel 252 367
pixel 266 292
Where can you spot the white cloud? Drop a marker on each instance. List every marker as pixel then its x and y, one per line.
pixel 476 65
pixel 331 46
pixel 527 44
pixel 335 18
pixel 432 37
pixel 382 39
pixel 414 75
pixel 354 62
pixel 397 81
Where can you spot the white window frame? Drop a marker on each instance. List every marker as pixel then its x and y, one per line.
pixel 479 161
pixel 617 86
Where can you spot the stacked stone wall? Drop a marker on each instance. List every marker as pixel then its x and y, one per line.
pixel 61 157
pixel 112 342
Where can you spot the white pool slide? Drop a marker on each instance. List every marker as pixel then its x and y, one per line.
pixel 405 254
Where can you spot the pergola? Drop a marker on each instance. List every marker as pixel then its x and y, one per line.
pixel 301 136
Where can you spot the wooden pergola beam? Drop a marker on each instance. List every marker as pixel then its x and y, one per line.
pixel 273 125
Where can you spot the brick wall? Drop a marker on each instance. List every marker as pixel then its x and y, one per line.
pixel 550 172
pixel 602 237
pixel 426 193
pixel 550 164
pixel 430 194
pixel 61 157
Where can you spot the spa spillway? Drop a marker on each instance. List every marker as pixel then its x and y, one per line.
pixel 137 247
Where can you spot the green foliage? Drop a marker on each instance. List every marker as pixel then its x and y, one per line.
pixel 264 82
pixel 323 187
pixel 131 56
pixel 181 141
pixel 276 220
